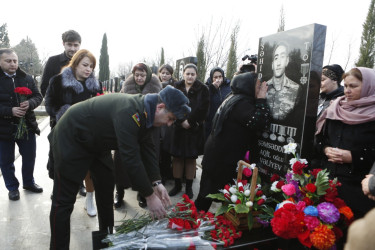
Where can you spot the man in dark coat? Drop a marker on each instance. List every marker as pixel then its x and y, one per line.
pixel 12 109
pixel 71 42
pixel 88 131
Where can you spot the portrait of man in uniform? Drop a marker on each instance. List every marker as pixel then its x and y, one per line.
pixel 282 92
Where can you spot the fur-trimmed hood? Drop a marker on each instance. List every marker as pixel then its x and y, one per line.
pixel 69 81
pixel 153 86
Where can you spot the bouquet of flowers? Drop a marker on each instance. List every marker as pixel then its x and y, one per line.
pixel 311 210
pixel 245 198
pixel 184 228
pixel 23 92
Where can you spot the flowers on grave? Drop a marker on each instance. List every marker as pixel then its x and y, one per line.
pixel 311 210
pixel 238 197
pixel 184 227
pixel 23 93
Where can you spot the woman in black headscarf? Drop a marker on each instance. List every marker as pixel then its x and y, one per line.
pixel 236 125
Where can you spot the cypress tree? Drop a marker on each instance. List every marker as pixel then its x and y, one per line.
pixel 162 60
pixel 104 61
pixel 232 57
pixel 201 64
pixel 367 48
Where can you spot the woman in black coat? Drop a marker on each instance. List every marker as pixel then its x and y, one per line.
pixel 185 141
pixel 75 83
pixel 346 138
pixel 235 129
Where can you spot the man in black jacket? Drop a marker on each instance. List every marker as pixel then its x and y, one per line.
pixel 12 109
pixel 72 43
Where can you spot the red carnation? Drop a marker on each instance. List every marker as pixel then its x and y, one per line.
pixel 23 91
pixel 259 193
pixel 315 172
pixel 280 184
pixel 261 201
pixel 298 167
pixel 311 187
pixel 308 201
pixel 247 172
pixel 275 177
pixel 338 202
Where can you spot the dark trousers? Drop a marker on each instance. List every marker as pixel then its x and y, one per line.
pixel 27 149
pixel 64 197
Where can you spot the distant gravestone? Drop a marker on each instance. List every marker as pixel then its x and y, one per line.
pixel 180 64
pixel 291 64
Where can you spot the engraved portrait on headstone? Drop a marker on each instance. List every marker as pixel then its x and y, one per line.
pixel 288 61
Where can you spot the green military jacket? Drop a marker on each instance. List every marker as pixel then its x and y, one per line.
pixel 100 124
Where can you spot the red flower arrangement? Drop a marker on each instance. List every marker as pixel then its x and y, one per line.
pixel 23 92
pixel 311 210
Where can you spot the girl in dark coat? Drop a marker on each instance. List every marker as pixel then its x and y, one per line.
pixel 235 129
pixel 76 83
pixel 219 88
pixel 187 136
pixel 346 137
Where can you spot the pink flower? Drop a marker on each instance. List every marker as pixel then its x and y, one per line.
pixel 311 222
pixel 289 189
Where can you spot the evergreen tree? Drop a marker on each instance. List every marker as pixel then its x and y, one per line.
pixel 104 61
pixel 367 48
pixel 4 39
pixel 282 20
pixel 28 58
pixel 162 60
pixel 201 64
pixel 232 57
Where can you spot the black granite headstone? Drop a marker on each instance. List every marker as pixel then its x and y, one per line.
pixel 291 63
pixel 180 64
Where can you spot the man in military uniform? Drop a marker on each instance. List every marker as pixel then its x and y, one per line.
pixel 82 140
pixel 282 94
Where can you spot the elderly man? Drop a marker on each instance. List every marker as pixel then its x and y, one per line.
pixel 88 131
pixel 282 95
pixel 12 108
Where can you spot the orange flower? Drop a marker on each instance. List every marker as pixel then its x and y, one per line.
pixel 347 212
pixel 323 237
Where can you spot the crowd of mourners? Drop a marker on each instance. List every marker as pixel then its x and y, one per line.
pixel 157 126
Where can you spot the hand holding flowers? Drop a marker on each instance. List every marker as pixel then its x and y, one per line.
pixel 20 112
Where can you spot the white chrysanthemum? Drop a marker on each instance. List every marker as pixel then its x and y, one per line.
pixel 253 166
pixel 233 190
pixel 264 197
pixel 274 188
pixel 247 192
pixel 290 148
pixel 258 186
pixel 249 204
pixel 234 198
pixel 304 161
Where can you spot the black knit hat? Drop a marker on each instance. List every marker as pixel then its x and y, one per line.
pixel 333 72
pixel 175 101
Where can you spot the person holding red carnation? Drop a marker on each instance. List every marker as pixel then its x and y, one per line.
pixel 11 110
pixel 346 138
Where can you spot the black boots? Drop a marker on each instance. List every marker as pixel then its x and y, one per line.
pixel 177 187
pixel 189 189
pixel 119 198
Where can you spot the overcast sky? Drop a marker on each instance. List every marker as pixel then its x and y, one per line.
pixel 136 30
